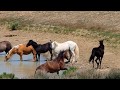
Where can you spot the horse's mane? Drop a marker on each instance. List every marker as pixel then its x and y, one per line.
pixel 17 46
pixel 33 43
pixel 60 55
pixel 55 42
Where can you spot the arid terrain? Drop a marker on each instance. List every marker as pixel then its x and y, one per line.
pixel 42 30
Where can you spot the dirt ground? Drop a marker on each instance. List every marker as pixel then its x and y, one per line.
pixel 110 60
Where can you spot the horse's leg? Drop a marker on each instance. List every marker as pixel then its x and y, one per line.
pixel 51 54
pixel 93 62
pixel 97 62
pixel 21 56
pixel 34 57
pixel 100 61
pixel 58 72
pixel 73 56
pixel 39 56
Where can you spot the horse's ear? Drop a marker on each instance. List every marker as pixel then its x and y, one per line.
pixel 50 41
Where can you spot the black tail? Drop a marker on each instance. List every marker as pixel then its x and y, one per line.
pixel 92 56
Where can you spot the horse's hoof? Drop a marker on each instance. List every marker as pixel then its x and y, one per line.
pixel 33 60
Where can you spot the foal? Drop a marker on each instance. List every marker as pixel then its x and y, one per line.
pixel 98 52
pixel 55 65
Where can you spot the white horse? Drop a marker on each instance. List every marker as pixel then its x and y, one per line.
pixel 57 47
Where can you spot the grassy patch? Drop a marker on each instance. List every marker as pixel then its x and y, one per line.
pixel 14 23
pixel 7 76
pixel 70 70
pixel 113 74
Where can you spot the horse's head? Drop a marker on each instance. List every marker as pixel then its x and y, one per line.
pixel 67 54
pixel 54 44
pixel 7 56
pixel 10 53
pixel 101 41
pixel 31 42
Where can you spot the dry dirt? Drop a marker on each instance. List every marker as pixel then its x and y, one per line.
pixel 111 58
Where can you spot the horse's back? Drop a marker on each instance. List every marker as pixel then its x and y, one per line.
pixel 5 45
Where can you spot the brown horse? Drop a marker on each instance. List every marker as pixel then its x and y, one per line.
pixel 5 46
pixel 56 64
pixel 20 50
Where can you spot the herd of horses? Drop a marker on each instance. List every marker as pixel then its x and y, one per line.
pixel 67 50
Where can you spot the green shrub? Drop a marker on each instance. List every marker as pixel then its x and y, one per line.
pixel 7 76
pixel 14 25
pixel 70 70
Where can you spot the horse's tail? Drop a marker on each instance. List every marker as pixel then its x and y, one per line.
pixel 92 56
pixel 76 52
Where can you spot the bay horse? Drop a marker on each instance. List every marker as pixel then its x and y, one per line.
pixel 40 48
pixel 20 50
pixel 99 53
pixel 57 47
pixel 54 65
pixel 5 46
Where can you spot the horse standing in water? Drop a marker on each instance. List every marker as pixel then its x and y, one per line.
pixel 41 48
pixel 5 46
pixel 20 50
pixel 56 64
pixel 57 47
pixel 97 52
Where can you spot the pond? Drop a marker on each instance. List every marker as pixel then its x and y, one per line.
pixel 21 69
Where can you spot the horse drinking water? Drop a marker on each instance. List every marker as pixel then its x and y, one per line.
pixel 20 50
pixel 40 48
pixel 97 52
pixel 56 64
pixel 57 47
pixel 5 46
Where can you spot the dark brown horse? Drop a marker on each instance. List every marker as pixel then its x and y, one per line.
pixel 5 46
pixel 56 64
pixel 41 48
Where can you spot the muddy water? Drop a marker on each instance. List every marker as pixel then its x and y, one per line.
pixel 21 69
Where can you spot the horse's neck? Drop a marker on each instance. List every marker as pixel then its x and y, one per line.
pixel 35 45
pixel 56 43
pixel 11 52
pixel 101 46
pixel 58 59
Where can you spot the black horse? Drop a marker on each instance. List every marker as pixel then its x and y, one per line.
pixel 41 48
pixel 98 52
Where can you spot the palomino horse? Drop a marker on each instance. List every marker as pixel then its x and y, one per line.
pixel 40 48
pixel 54 65
pixel 57 47
pixel 20 50
pixel 97 52
pixel 5 46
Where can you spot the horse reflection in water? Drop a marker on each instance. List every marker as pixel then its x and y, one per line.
pixel 20 50
pixel 56 64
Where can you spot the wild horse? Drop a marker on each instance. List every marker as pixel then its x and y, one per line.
pixel 56 64
pixel 5 46
pixel 97 52
pixel 40 48
pixel 20 50
pixel 57 47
